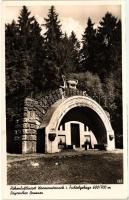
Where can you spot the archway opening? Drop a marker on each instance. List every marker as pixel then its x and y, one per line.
pixel 90 119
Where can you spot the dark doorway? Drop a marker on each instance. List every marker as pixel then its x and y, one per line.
pixel 75 135
pixel 41 140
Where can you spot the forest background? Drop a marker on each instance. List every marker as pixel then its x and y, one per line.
pixel 35 62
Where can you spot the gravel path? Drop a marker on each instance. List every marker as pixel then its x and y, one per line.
pixel 20 157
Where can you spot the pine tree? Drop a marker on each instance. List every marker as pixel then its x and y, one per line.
pixel 53 40
pixel 11 55
pixel 69 54
pixel 64 55
pixel 106 55
pixel 25 23
pixel 13 76
pixel 31 53
pixel 53 32
pixel 37 57
pixel 109 60
pixel 88 51
pixel 75 51
pixel 117 71
pixel 25 55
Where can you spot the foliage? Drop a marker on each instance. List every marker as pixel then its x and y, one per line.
pixel 24 54
pixel 11 54
pixel 107 37
pixel 75 52
pixel 90 83
pixel 36 63
pixel 88 51
pixel 53 37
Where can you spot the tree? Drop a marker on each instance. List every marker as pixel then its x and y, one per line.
pixel 118 116
pixel 109 60
pixel 31 53
pixel 25 23
pixel 36 63
pixel 53 39
pixel 75 51
pixel 64 55
pixel 37 57
pixel 53 33
pixel 11 55
pixel 69 54
pixel 25 55
pixel 90 83
pixel 109 94
pixel 107 50
pixel 88 51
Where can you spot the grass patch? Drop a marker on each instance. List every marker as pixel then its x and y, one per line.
pixel 105 168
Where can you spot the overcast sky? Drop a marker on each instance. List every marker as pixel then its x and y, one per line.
pixel 72 17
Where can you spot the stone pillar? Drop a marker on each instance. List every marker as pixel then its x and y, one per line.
pixel 29 137
pixel 29 129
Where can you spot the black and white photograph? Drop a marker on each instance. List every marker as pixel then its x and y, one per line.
pixel 64 95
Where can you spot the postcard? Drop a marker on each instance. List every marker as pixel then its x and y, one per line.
pixel 64 100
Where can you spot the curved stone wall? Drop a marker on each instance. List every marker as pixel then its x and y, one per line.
pixel 31 113
pixel 81 101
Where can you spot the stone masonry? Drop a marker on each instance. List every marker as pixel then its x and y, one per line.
pixel 31 114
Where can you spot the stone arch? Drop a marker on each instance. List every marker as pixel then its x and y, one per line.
pixel 67 104
pixel 90 120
